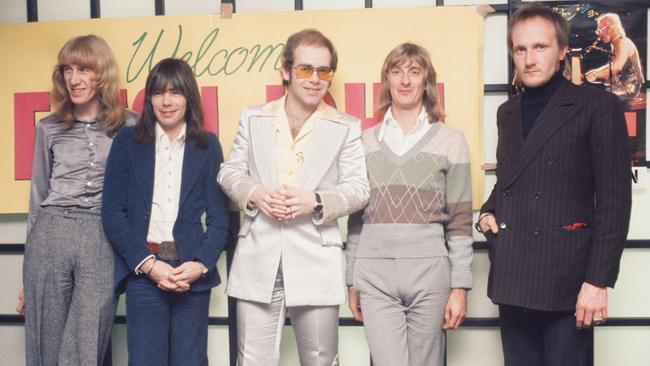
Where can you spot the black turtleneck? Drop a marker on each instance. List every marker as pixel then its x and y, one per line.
pixel 534 100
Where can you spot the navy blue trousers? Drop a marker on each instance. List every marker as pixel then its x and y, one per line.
pixel 542 338
pixel 165 328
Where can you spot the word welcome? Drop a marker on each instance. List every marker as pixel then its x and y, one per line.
pixel 207 59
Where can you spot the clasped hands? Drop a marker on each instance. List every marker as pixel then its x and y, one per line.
pixel 283 203
pixel 176 279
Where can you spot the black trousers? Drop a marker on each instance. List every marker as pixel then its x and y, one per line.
pixel 542 338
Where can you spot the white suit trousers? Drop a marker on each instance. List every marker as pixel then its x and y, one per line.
pixel 259 330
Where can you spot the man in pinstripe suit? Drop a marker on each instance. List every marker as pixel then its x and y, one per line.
pixel 557 218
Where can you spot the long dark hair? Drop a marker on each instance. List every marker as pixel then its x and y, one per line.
pixel 178 75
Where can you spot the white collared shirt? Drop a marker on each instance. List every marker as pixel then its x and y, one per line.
pixel 291 152
pixel 391 133
pixel 167 185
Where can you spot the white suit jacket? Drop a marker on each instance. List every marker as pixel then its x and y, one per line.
pixel 310 248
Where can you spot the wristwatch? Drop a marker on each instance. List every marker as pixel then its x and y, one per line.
pixel 204 269
pixel 318 207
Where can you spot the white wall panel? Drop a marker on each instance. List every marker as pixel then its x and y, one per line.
pixel 631 296
pixel 117 8
pixel 332 4
pixel 118 345
pixel 474 347
pixel 401 3
pixel 12 345
pixel 63 9
pixel 218 345
pixel 478 304
pixel 491 103
pixel 495 50
pixel 11 271
pixel 474 2
pixel 13 228
pixel 257 6
pixel 621 346
pixel 13 11
pixel 218 299
pixel 353 347
pixel 183 7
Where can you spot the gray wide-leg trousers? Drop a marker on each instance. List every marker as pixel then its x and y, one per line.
pixel 68 281
pixel 403 302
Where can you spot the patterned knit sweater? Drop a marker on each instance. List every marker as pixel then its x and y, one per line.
pixel 420 203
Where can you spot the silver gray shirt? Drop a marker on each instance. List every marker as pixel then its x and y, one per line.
pixel 68 166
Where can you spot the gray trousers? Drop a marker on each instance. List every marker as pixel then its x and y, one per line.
pixel 68 282
pixel 259 329
pixel 403 303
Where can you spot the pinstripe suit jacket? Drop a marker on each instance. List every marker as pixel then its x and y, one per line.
pixel 574 167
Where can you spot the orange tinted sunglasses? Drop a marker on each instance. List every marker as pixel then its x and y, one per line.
pixel 306 71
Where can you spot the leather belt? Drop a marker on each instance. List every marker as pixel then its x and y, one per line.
pixel 166 250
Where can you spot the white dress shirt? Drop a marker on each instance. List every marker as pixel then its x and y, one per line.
pixel 167 185
pixel 391 133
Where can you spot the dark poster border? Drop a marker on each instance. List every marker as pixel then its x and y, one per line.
pixel 592 52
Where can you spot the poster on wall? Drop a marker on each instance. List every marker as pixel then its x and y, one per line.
pixel 607 50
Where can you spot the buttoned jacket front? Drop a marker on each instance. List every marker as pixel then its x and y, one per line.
pixel 308 247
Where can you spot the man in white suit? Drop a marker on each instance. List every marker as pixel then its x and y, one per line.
pixel 296 165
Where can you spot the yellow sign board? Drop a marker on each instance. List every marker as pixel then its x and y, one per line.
pixel 236 62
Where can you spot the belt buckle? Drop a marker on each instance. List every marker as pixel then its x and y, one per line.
pixel 167 250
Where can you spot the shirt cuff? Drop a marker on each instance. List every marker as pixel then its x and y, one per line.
pixel 137 268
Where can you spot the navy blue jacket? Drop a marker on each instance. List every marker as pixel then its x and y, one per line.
pixel 127 199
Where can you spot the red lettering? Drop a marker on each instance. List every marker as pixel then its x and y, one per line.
pixel 138 102
pixel 123 98
pixel 210 104
pixel 355 103
pixel 630 119
pixel 274 92
pixel 25 107
pixel 329 100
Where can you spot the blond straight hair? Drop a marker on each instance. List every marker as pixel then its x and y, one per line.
pixel 91 52
pixel 409 52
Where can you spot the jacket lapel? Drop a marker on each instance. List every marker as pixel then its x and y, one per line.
pixel 145 166
pixel 324 145
pixel 262 144
pixel 512 135
pixel 561 108
pixel 193 161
